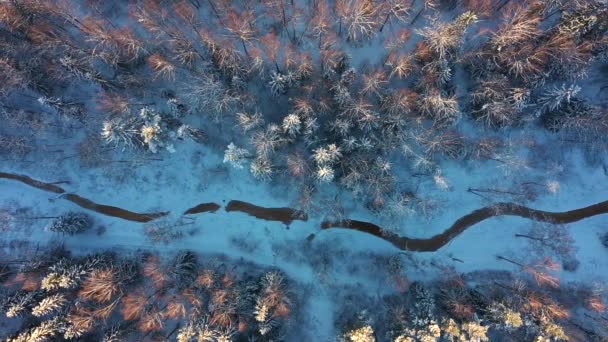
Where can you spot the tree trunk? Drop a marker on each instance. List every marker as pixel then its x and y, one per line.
pixel 388 15
pixel 529 237
pixel 245 48
pixel 509 260
pixel 416 17
pixel 213 8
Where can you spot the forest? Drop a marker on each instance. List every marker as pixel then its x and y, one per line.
pixel 304 170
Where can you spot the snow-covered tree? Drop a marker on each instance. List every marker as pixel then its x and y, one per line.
pixel 262 168
pixel 292 124
pixel 444 38
pixel 556 97
pixel 441 109
pixel 121 132
pixel 324 173
pixel 249 121
pixel 268 140
pixel 50 304
pixel 358 18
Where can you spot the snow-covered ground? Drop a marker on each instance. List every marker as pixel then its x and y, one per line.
pixel 333 259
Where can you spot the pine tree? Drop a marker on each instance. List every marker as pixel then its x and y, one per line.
pixel 41 333
pixel 49 304
pixel 555 98
pixel 184 268
pixel 121 132
pixel 20 302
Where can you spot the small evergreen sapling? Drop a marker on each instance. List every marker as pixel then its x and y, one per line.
pixel 71 223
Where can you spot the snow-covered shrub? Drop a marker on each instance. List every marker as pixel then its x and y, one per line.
pixel 149 134
pixel 235 156
pixel 14 145
pixel 188 132
pixel 440 181
pixel 154 132
pixel 150 129
pixel 71 223
pixel 604 239
pixel 163 230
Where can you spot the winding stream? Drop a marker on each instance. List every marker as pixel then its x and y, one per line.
pixel 83 202
pixel 499 209
pixel 287 215
pixel 203 208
